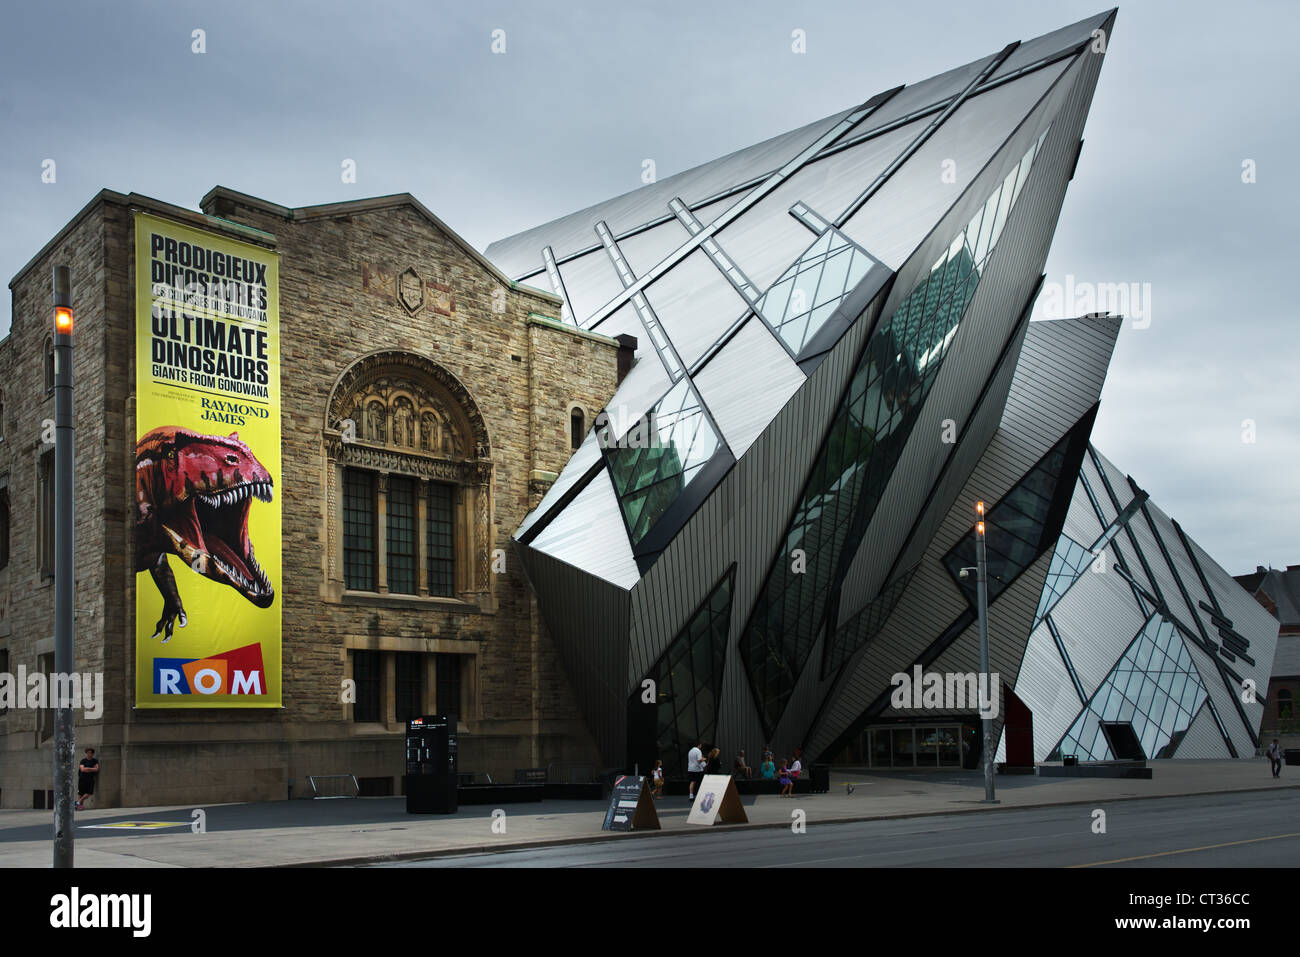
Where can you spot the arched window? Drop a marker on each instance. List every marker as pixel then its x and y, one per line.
pixel 1284 704
pixel 410 483
pixel 49 365
pixel 577 427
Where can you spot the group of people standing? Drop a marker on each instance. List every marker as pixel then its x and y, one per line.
pixel 699 764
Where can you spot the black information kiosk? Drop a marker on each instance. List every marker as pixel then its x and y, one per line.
pixel 431 765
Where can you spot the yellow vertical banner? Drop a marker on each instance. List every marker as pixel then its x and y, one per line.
pixel 207 470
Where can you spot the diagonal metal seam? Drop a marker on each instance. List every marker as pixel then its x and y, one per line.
pixel 998 367
pixel 1231 680
pixel 1225 673
pixel 553 272
pixel 667 353
pixel 1121 521
pixel 1069 665
pixel 769 184
pixel 920 139
pixel 725 264
pixel 837 147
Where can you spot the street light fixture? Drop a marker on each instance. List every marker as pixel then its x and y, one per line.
pixel 982 600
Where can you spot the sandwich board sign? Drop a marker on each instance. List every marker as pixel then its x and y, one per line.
pixel 717 800
pixel 631 805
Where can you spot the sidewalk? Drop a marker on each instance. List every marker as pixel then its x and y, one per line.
pixel 376 829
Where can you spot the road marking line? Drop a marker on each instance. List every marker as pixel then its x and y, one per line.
pixel 1187 850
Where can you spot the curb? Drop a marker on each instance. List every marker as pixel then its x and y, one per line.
pixel 603 836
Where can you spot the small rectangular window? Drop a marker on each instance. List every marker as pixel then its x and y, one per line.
pixel 45 515
pixel 409 686
pixel 367 673
pixel 401 535
pixel 441 555
pixel 359 530
pixel 448 691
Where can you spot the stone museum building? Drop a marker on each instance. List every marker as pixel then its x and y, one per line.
pixel 428 404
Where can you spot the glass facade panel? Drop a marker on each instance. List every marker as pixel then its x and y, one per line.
pixel 806 294
pixel 688 681
pixel 658 457
pixel 1159 705
pixel 898 367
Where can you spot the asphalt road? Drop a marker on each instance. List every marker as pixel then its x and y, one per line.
pixel 1230 830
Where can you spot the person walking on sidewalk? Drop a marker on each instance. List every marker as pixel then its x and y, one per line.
pixel 1275 756
pixel 87 771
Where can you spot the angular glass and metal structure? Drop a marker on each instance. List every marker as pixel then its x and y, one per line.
pixel 834 360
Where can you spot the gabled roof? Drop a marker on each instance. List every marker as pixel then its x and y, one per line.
pixel 367 205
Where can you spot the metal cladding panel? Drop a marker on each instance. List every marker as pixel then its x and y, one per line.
pixel 520 254
pixel 829 184
pixel 644 385
pixel 695 304
pixel 1163 575
pixel 1045 687
pixel 588 621
pixel 1202 739
pixel 924 94
pixel 1249 618
pixel 747 383
pixel 742 521
pixel 1097 618
pixel 1008 629
pixel 1064 365
pixel 587 455
pixel 645 250
pixel 1081 522
pixel 589 534
pixel 899 216
pixel 972 443
pixel 1010 277
pixel 590 281
pixel 1009 620
pixel 767 239
pixel 1058 41
pixel 1225 700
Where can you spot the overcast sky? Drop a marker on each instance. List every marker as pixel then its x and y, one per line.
pixel 584 92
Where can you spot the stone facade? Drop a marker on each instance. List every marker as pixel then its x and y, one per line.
pixel 368 289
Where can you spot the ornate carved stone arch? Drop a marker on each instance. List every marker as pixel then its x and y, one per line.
pixel 400 413
pixel 405 366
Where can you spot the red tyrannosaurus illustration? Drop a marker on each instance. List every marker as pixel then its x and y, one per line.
pixel 192 495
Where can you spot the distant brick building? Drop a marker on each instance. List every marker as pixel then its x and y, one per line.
pixel 1279 591
pixel 466 395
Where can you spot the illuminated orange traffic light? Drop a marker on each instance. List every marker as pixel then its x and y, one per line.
pixel 63 320
pixel 979 528
pixel 979 507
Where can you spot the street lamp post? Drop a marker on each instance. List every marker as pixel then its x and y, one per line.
pixel 63 565
pixel 982 600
